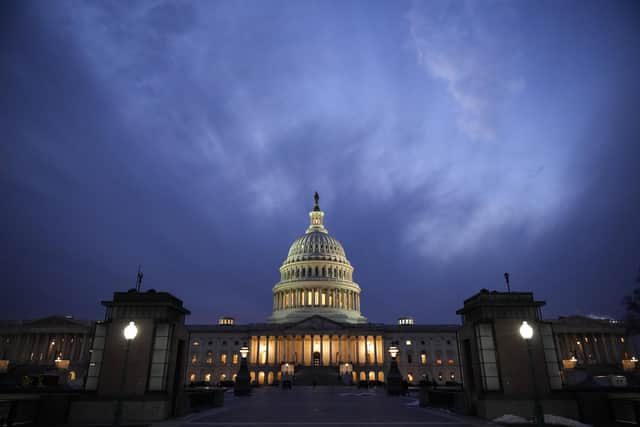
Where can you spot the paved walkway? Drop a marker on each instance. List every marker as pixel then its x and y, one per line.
pixel 322 406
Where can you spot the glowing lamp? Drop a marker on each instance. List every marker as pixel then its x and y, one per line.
pixel 393 351
pixel 130 331
pixel 526 331
pixel 244 350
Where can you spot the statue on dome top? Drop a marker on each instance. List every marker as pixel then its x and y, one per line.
pixel 316 197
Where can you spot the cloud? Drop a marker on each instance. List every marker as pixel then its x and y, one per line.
pixel 467 48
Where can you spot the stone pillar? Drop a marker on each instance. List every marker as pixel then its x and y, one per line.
pixel 126 366
pixel 491 323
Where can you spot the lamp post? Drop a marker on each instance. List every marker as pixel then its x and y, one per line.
pixel 130 331
pixel 526 332
pixel 394 377
pixel 242 386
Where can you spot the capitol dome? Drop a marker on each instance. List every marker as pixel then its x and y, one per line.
pixel 316 278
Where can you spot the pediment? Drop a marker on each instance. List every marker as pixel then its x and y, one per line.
pixel 316 323
pixel 53 321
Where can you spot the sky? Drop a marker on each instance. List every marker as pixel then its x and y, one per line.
pixel 450 142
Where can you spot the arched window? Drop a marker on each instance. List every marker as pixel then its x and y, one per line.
pixel 324 272
pixel 381 376
pixel 223 358
pixel 209 359
pixel 192 377
pixel 207 377
pixel 194 358
pixel 309 272
pixel 410 377
pixel 72 375
pixel 372 376
pixel 423 358
pixel 223 377
pixel 363 376
pixel 234 358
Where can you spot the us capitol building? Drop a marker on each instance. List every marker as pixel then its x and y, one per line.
pixel 317 332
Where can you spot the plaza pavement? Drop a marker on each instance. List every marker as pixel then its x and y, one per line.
pixel 322 406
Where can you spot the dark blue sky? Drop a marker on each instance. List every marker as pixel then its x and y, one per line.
pixel 449 141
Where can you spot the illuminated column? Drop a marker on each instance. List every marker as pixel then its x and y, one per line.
pixel 331 361
pixel 373 344
pixel 321 350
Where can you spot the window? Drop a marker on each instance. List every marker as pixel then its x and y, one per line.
pixel 196 343
pixel 234 358
pixel 160 358
pixel 194 358
pixel 550 356
pixel 223 377
pixel 223 358
pixel 423 358
pixel 72 375
pixel 408 342
pixel 207 377
pixel 209 359
pixel 410 377
pixel 192 377
pixel 452 376
pixel 487 353
pixel 409 358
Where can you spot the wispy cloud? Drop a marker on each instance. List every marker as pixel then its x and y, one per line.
pixel 470 47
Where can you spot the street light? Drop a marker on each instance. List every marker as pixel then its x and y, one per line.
pixel 394 378
pixel 130 332
pixel 242 386
pixel 526 332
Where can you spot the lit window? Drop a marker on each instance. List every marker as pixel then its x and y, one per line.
pixel 223 358
pixel 223 377
pixel 209 359
pixel 72 375
pixel 423 358
pixel 408 342
pixel 234 358
pixel 438 361
pixel 621 339
pixel 451 361
pixel 194 359
pixel 233 378
pixel 207 377
pixel 192 377
pixel 410 377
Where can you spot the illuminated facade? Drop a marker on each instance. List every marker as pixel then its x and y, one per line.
pixel 317 332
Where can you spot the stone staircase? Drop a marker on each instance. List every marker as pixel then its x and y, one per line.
pixel 323 375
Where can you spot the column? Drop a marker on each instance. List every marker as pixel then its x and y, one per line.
pixel 375 357
pixel 321 349
pixel 331 356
